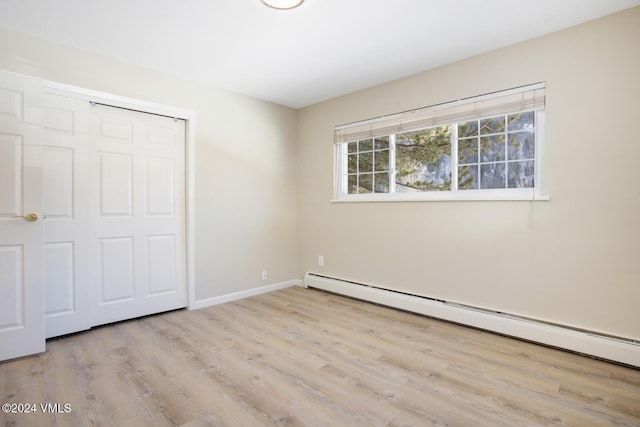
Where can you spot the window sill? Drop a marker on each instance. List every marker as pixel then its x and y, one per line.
pixel 445 196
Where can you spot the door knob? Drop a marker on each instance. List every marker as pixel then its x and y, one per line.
pixel 32 217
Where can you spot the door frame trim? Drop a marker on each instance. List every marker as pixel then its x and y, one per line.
pixel 189 116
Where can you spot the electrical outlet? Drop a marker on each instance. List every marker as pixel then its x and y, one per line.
pixel 264 274
pixel 320 260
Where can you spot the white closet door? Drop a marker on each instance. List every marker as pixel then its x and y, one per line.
pixel 21 290
pixel 66 215
pixel 138 219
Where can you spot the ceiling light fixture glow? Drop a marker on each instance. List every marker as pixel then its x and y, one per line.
pixel 282 4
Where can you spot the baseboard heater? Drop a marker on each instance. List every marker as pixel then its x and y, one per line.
pixel 612 348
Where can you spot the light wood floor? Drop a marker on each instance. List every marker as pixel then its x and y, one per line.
pixel 305 357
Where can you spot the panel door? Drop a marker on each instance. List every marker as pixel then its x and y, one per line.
pixel 66 215
pixel 138 187
pixel 21 290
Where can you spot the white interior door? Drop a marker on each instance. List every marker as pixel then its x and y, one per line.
pixel 138 213
pixel 21 289
pixel 92 214
pixel 66 215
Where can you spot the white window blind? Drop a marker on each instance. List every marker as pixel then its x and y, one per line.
pixel 525 98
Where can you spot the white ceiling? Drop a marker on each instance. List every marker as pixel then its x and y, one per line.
pixel 296 58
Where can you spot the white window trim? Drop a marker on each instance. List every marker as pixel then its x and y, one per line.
pixel 445 196
pixel 528 194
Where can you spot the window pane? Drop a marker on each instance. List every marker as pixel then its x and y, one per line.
pixel 521 146
pixel 521 174
pixel 366 183
pixel 381 160
pixel 493 125
pixel 468 150
pixel 382 143
pixel 492 176
pixel 352 160
pixel 492 148
pixel 423 160
pixel 381 181
pixel 366 145
pixel 521 121
pixel 352 187
pixel 468 177
pixel 365 162
pixel 467 129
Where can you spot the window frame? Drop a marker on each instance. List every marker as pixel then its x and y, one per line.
pixel 455 194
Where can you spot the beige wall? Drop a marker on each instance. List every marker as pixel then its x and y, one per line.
pixel 245 174
pixel 574 260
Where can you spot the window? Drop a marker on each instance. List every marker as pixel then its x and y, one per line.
pixel 368 164
pixel 485 147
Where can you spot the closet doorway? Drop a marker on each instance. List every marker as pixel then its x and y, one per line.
pixel 108 187
pixel 113 214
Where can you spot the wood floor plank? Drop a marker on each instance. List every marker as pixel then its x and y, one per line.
pixel 301 357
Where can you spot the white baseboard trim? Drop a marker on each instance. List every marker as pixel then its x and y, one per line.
pixel 196 305
pixel 588 343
